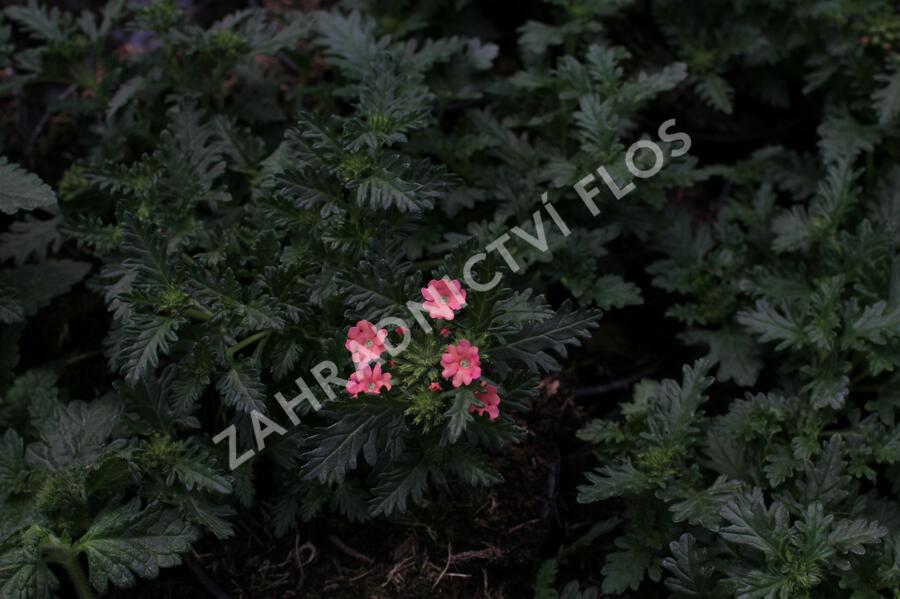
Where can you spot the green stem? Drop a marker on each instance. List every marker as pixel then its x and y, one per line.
pixel 259 348
pixel 197 313
pixel 248 341
pixel 54 551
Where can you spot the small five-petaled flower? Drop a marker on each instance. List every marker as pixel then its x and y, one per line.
pixel 442 298
pixel 368 380
pixel 461 363
pixel 365 342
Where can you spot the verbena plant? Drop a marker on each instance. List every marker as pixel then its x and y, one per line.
pixel 249 199
pixel 236 237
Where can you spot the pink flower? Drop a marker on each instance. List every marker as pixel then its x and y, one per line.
pixel 434 386
pixel 491 402
pixel 365 342
pixel 461 362
pixel 445 332
pixel 441 298
pixel 368 380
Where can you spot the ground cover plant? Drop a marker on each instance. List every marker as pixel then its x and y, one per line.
pixel 381 299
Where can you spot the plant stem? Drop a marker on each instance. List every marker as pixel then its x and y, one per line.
pixel 199 314
pixel 54 551
pixel 248 341
pixel 259 348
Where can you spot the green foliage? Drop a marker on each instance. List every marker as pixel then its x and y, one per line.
pixel 222 203
pixel 22 190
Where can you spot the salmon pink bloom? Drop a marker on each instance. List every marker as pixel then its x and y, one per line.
pixel 491 402
pixel 442 298
pixel 445 332
pixel 368 380
pixel 365 342
pixel 434 386
pixel 461 363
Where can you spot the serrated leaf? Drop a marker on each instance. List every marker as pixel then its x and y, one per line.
pixel 397 484
pixel 21 190
pixel 77 434
pixel 767 322
pixel 211 515
pixel 458 415
pixel 842 137
pixel 877 324
pixel 36 285
pixel 716 92
pixel 757 584
pixel 147 337
pixel 703 507
pixel 12 464
pixel 692 574
pixel 335 449
pixel 612 291
pixel 737 355
pixel 23 576
pixel 533 344
pixel 546 580
pixel 471 466
pixel 824 480
pixel 43 24
pixel 30 238
pixel 194 470
pixel 752 524
pixel 10 309
pixel 887 98
pixel 601 431
pixel 126 541
pixel 242 388
pixel 851 535
pixel 349 41
pixel 780 464
pixel 792 230
pixel 624 570
pixel 613 481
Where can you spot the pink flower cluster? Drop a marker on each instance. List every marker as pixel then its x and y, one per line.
pixel 460 362
pixel 462 366
pixel 366 344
